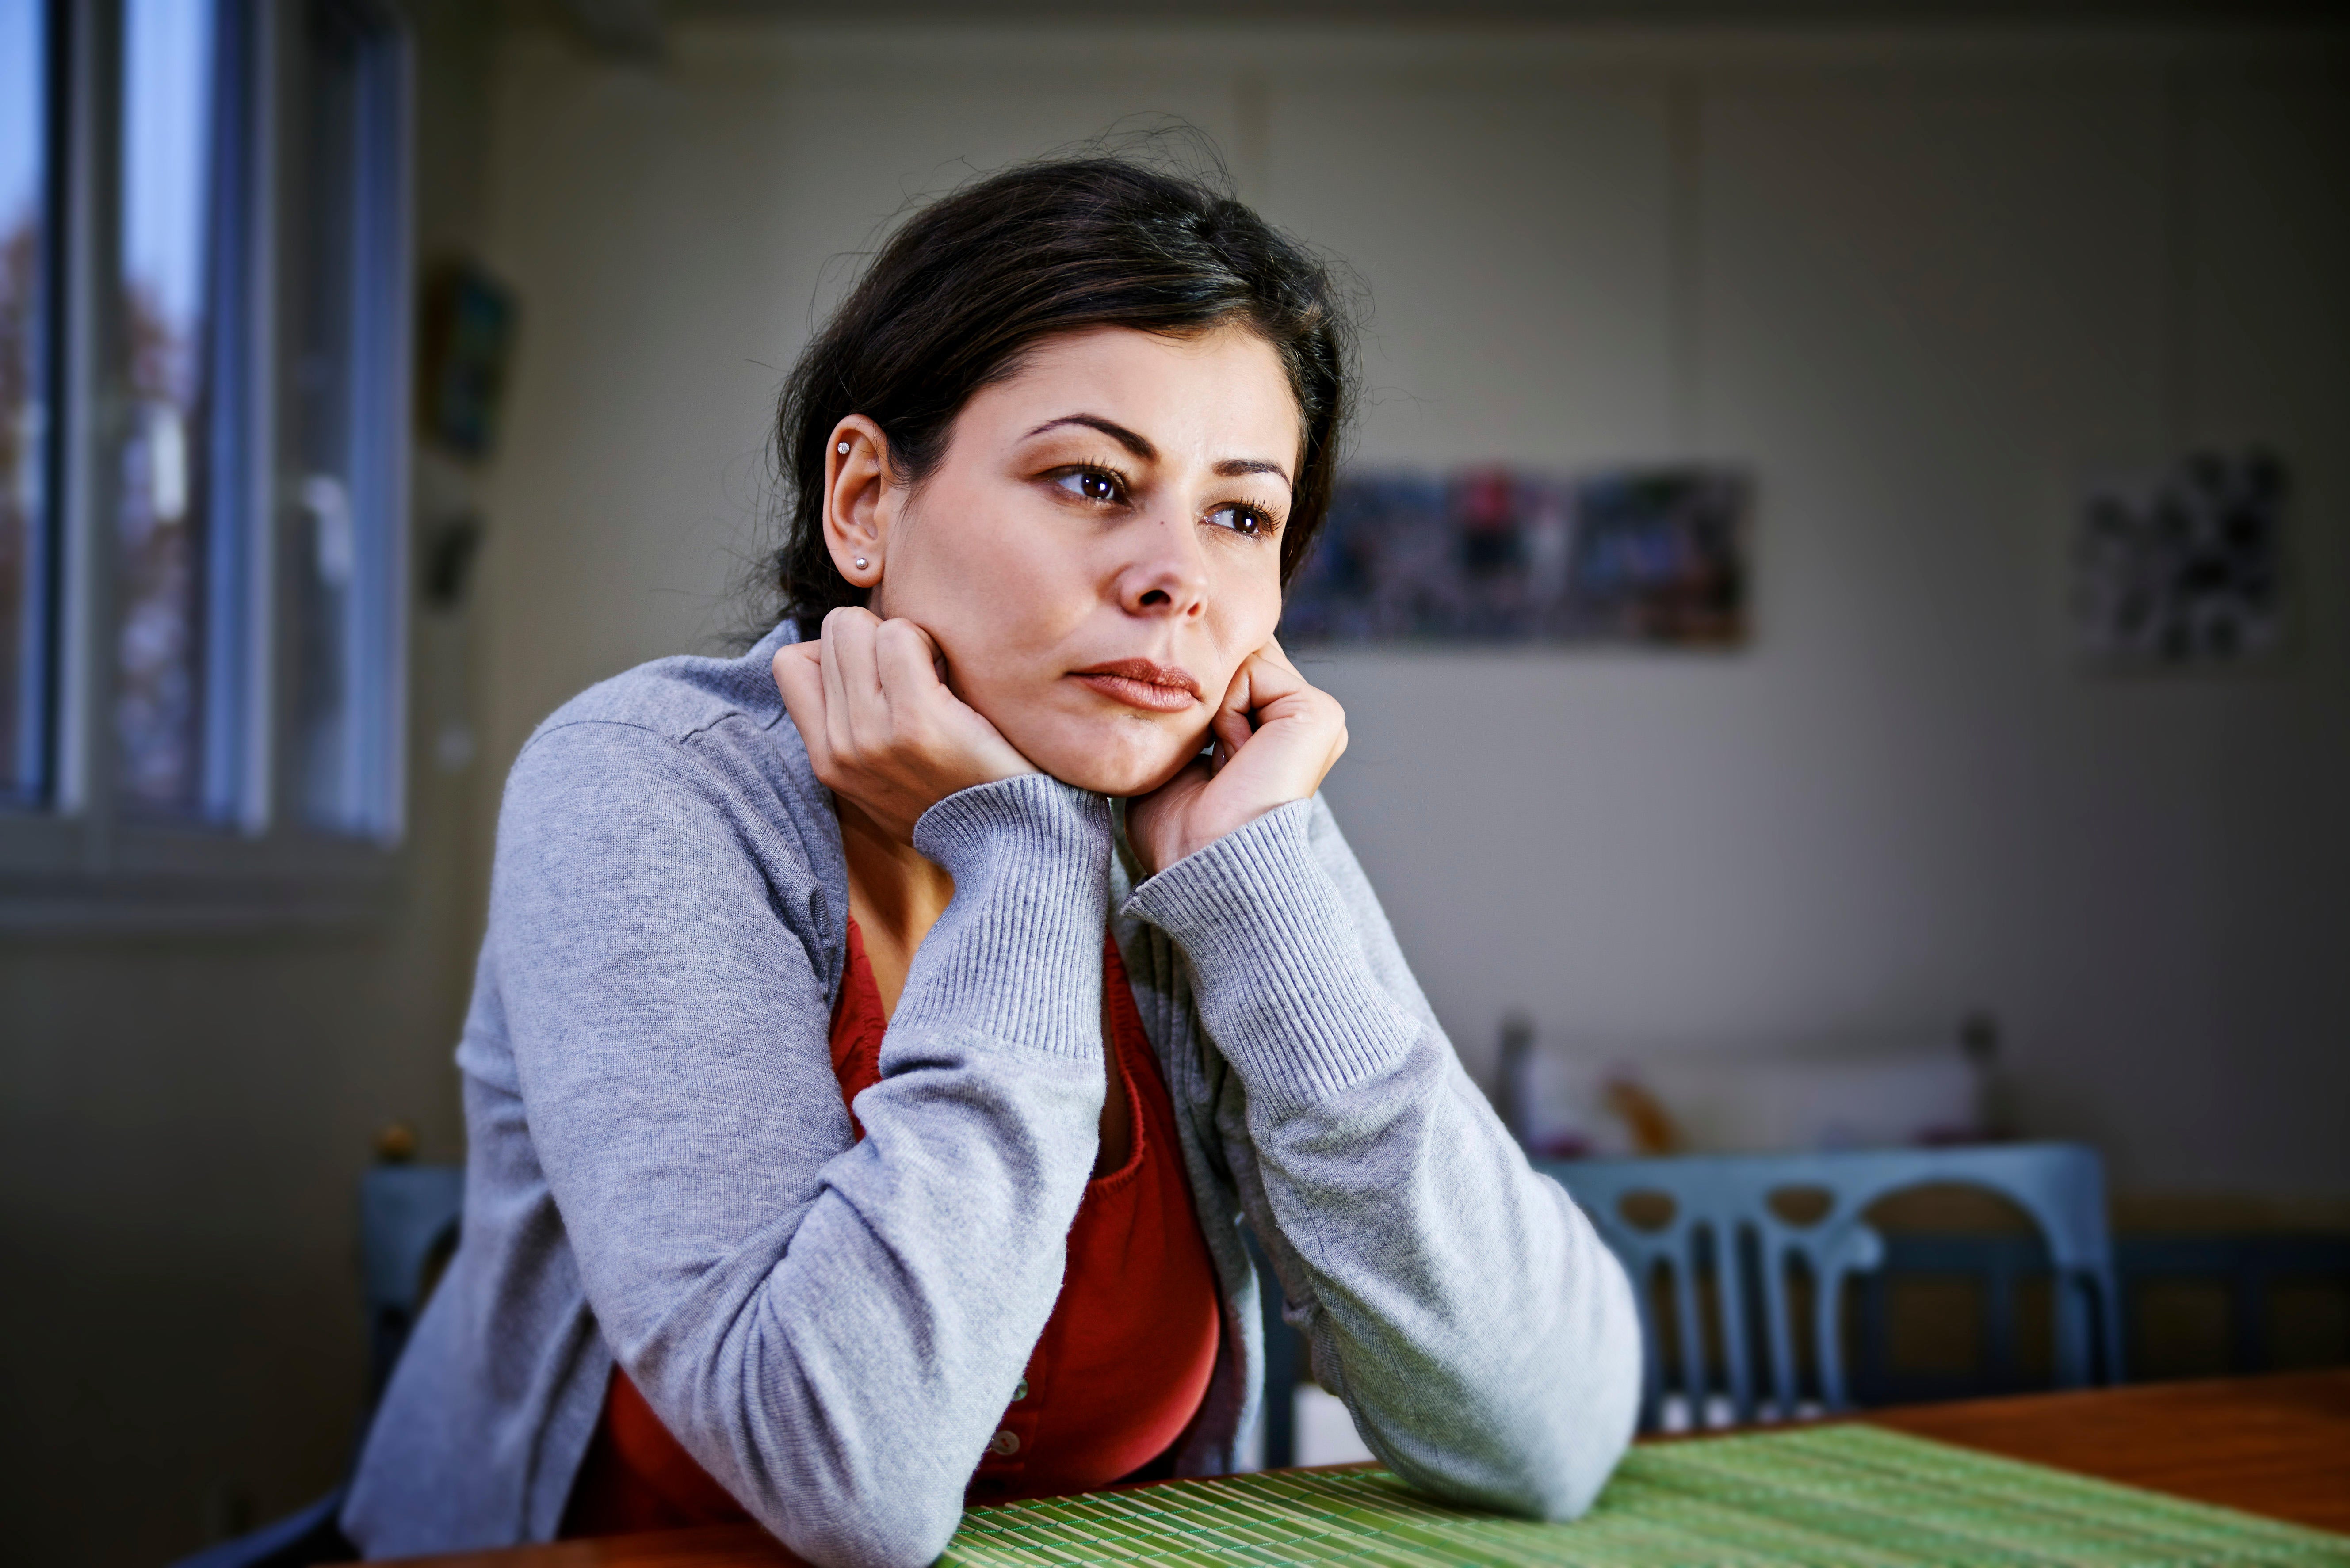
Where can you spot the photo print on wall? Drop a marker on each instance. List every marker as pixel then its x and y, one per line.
pixel 1648 556
pixel 2183 569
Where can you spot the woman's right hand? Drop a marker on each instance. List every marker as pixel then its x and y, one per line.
pixel 882 730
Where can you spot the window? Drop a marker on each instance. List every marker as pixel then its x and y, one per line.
pixel 175 514
pixel 25 200
pixel 347 363
pixel 203 273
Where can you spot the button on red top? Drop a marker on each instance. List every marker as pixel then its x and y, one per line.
pixel 1116 1376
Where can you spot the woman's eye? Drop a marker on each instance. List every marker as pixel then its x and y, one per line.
pixel 1096 484
pixel 1240 519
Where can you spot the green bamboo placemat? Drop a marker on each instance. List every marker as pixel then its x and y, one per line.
pixel 1847 1496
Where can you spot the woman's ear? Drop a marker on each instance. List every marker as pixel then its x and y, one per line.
pixel 860 500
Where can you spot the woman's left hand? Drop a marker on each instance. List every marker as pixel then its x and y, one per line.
pixel 1276 738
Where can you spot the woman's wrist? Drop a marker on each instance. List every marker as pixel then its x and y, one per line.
pixel 1276 739
pixel 1029 821
pixel 1277 972
pixel 1199 836
pixel 1016 957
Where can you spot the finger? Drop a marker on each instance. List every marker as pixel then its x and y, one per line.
pixel 938 655
pixel 906 663
pixel 1271 677
pixel 799 677
pixel 1229 726
pixel 1272 653
pixel 1232 730
pixel 835 696
pixel 853 680
pixel 849 635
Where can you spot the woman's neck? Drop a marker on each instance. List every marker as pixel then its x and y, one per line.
pixel 895 895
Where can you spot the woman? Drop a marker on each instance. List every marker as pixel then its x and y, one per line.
pixel 863 1112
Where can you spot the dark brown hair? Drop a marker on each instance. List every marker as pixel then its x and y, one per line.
pixel 971 281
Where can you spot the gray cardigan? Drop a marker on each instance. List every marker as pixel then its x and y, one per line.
pixel 661 1171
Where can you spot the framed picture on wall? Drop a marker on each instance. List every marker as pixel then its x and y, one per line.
pixel 1653 555
pixel 2183 568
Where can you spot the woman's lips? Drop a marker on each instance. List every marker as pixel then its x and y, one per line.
pixel 1139 684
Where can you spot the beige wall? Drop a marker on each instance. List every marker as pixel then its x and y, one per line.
pixel 1924 284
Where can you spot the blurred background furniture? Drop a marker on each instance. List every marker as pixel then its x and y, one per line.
pixel 408 1228
pixel 1284 1367
pixel 1752 1253
pixel 2283 1290
pixel 1743 1264
pixel 2198 1299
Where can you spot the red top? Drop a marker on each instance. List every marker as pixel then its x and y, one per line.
pixel 1114 1381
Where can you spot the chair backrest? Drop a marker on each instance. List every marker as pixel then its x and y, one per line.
pixel 1724 1225
pixel 408 1217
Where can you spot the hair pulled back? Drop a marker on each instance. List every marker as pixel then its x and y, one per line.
pixel 969 283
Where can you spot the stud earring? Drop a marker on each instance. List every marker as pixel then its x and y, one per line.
pixel 842 449
pixel 860 563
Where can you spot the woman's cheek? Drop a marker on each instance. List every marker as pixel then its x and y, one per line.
pixel 1251 613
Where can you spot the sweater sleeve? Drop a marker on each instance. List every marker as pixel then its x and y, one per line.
pixel 832 1330
pixel 1481 1333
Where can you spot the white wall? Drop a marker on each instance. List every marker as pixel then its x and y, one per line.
pixel 1923 283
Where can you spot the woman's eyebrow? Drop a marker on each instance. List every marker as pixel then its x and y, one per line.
pixel 1234 467
pixel 1133 441
pixel 1139 445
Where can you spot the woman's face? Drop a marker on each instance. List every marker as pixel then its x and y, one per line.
pixel 1098 549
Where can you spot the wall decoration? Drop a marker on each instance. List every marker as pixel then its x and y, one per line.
pixel 1653 555
pixel 2183 569
pixel 464 341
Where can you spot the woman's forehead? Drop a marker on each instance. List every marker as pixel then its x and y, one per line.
pixel 1202 397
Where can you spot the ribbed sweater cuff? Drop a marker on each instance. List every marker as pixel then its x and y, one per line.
pixel 1279 979
pixel 1017 956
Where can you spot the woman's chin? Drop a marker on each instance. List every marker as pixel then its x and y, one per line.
pixel 1111 768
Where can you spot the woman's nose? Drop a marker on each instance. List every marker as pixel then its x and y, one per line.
pixel 1165 575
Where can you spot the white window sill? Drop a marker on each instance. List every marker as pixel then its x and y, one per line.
pixel 64 878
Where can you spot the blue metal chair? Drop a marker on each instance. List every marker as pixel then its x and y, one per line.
pixel 1723 1225
pixel 1284 1366
pixel 408 1221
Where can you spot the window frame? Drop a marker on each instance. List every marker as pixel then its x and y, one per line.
pixel 79 860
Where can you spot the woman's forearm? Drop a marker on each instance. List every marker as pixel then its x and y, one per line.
pixel 831 1331
pixel 1481 1335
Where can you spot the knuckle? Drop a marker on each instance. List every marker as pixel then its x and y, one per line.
pixel 847 618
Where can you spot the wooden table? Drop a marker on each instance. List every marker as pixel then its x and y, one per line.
pixel 2278 1446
